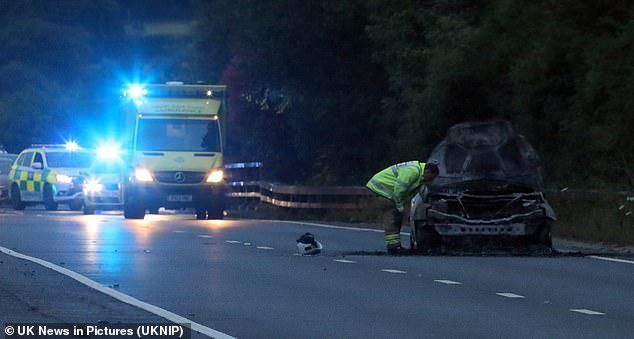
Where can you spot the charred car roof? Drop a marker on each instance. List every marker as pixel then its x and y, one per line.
pixel 491 154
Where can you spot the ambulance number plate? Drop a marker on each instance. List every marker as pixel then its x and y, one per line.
pixel 179 198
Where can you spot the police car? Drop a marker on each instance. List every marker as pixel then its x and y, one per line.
pixel 49 174
pixel 103 187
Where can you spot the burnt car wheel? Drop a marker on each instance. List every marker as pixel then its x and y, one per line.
pixel 543 239
pixel 424 239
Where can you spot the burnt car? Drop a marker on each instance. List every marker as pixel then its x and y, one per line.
pixel 488 191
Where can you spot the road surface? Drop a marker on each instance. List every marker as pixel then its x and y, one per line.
pixel 244 278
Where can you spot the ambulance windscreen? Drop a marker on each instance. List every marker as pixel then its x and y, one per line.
pixel 178 135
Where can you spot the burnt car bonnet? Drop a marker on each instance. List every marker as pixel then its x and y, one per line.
pixel 486 154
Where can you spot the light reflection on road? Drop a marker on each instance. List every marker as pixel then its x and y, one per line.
pixel 110 245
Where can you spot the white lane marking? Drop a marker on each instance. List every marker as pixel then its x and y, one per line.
pixel 344 261
pixel 173 317
pixel 389 270
pixel 247 244
pixel 179 231
pixel 448 282
pixel 327 226
pixel 205 236
pixel 11 213
pixel 623 261
pixel 586 311
pixel 265 248
pixel 233 241
pixel 511 295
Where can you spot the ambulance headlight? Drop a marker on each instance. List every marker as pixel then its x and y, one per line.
pixel 143 175
pixel 93 186
pixel 64 179
pixel 215 176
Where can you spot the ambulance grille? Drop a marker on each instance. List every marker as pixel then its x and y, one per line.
pixel 179 177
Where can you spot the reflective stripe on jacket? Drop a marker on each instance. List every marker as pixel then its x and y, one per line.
pixel 399 182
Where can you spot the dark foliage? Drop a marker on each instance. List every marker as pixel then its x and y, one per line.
pixel 332 91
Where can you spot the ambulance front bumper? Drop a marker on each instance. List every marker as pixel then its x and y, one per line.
pixel 175 197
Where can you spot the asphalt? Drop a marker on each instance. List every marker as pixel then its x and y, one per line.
pixel 244 278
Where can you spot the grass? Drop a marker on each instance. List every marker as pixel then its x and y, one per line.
pixel 596 217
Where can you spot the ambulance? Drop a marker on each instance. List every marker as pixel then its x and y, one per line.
pixel 173 138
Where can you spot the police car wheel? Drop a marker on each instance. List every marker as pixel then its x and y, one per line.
pixel 16 198
pixel 76 205
pixel 49 202
pixel 89 209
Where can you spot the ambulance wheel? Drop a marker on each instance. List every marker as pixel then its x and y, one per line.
pixel 49 202
pixel 215 212
pixel 76 205
pixel 133 211
pixel 201 214
pixel 16 198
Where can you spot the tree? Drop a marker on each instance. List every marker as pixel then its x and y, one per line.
pixel 304 92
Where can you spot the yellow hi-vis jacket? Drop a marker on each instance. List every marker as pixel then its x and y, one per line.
pixel 399 182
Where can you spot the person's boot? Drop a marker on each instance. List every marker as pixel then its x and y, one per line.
pixel 397 251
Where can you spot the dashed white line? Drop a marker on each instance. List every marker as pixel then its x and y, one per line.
pixel 344 261
pixel 173 317
pixel 510 295
pixel 623 261
pixel 233 241
pixel 586 311
pixel 179 231
pixel 247 244
pixel 448 282
pixel 205 236
pixel 389 270
pixel 265 248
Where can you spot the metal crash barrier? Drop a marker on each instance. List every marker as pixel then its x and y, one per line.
pixel 250 190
